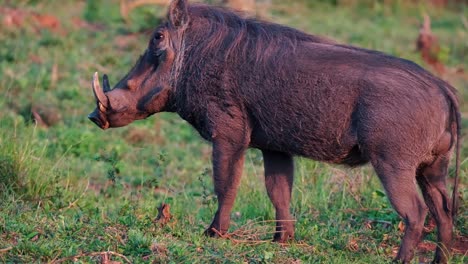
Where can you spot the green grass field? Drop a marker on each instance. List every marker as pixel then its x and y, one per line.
pixel 70 192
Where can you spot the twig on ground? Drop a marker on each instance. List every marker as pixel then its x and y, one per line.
pixel 3 250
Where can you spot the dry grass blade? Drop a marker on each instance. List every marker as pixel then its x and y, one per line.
pixel 356 211
pixel 103 254
pixel 249 238
pixel 250 233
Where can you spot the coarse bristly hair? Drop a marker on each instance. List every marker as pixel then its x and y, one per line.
pixel 240 37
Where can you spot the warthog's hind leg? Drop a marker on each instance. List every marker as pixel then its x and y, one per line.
pixel 431 180
pixel 401 190
pixel 279 172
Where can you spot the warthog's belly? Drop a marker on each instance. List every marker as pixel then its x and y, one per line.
pixel 323 145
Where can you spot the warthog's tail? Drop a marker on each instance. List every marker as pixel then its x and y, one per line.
pixel 451 93
pixel 457 161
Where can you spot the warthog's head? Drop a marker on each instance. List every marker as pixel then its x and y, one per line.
pixel 147 88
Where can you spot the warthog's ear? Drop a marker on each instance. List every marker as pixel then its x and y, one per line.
pixel 178 12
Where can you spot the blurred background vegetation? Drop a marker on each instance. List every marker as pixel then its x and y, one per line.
pixel 69 191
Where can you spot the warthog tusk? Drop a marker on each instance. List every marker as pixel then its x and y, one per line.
pixel 98 92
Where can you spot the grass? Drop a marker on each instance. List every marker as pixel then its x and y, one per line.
pixel 70 191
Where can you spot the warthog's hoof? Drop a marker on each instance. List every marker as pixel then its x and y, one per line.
pixel 401 261
pixel 283 237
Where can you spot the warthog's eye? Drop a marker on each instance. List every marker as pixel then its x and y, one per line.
pixel 158 36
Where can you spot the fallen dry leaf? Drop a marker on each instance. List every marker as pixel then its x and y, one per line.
pixel 46 21
pixel 352 244
pixel 164 214
pixel 401 226
pixel 159 249
pixel 13 17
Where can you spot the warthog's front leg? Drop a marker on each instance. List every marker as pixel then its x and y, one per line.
pixel 228 161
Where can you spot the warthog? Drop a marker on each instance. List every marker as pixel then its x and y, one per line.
pixel 242 82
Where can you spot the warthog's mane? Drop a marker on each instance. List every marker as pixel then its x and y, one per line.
pixel 235 36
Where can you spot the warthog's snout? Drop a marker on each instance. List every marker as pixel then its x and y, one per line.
pixel 94 116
